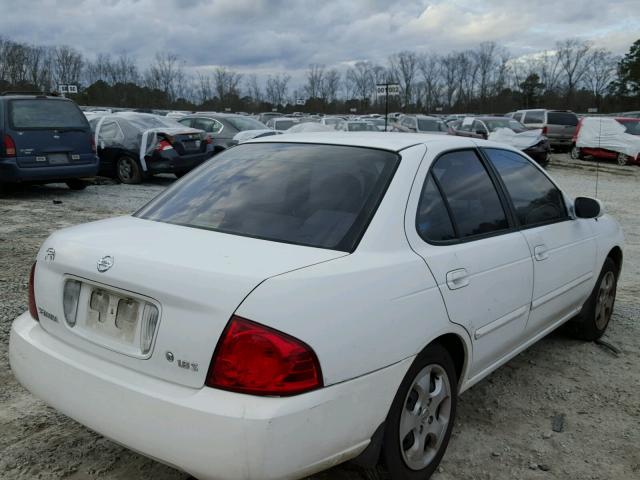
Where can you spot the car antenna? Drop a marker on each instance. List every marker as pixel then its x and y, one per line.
pixel 597 159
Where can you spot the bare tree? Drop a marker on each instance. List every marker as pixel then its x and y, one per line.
pixel 360 78
pixel 226 83
pixel 277 87
pixel 253 88
pixel 601 71
pixel 68 65
pixel 431 70
pixel 165 74
pixel 404 67
pixel 315 77
pixel 573 58
pixel 330 85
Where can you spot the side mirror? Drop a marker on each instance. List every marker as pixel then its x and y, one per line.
pixel 586 207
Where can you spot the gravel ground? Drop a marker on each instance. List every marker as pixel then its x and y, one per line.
pixel 504 428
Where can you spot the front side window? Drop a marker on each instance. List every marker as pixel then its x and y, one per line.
pixel 315 195
pixel 470 193
pixel 535 198
pixel 433 221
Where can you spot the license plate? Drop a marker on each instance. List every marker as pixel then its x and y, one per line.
pixel 113 315
pixel 58 158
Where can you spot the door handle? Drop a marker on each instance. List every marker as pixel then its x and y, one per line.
pixel 541 252
pixel 457 278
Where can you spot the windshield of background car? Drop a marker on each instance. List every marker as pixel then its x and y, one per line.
pixel 361 127
pixel 562 118
pixel 631 126
pixel 147 122
pixel 315 195
pixel 43 114
pixel 246 123
pixel 284 124
pixel 514 125
pixel 425 125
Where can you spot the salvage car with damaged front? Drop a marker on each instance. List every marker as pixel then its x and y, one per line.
pixel 331 296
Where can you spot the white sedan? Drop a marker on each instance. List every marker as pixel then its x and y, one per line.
pixel 308 299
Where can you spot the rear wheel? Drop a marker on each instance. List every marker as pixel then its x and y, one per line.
pixel 76 184
pixel 421 418
pixel 623 159
pixel 597 310
pixel 128 170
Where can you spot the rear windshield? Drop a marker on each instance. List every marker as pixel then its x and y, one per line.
pixel 425 125
pixel 246 123
pixel 315 195
pixel 43 114
pixel 562 118
pixel 284 124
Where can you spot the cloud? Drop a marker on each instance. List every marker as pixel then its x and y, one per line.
pixel 276 35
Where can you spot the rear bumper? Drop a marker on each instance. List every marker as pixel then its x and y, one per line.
pixel 209 433
pixel 176 163
pixel 10 171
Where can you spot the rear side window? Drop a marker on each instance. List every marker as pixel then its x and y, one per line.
pixel 535 198
pixel 315 195
pixel 44 114
pixel 208 125
pixel 472 198
pixel 562 118
pixel 518 116
pixel 535 116
pixel 433 221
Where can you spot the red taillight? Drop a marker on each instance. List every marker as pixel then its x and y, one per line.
pixel 163 145
pixel 33 310
pixel 208 140
pixel 254 359
pixel 9 146
pixel 544 130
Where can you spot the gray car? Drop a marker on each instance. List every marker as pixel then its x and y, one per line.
pixel 222 127
pixel 421 124
pixel 558 126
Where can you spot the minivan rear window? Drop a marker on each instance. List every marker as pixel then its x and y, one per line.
pixel 315 195
pixel 45 114
pixel 562 118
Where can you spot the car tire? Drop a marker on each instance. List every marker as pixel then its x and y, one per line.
pixel 420 420
pixel 128 170
pixel 596 312
pixel 623 159
pixel 576 153
pixel 76 184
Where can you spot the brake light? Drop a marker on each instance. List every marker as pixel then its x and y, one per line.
pixel 9 146
pixel 33 310
pixel 254 359
pixel 163 145
pixel 208 140
pixel 544 130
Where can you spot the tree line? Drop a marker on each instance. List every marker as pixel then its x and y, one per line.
pixel 574 75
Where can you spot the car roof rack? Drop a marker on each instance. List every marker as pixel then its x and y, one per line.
pixel 38 94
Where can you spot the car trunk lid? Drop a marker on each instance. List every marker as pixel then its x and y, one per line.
pixel 195 278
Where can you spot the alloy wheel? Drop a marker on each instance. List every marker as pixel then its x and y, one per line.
pixel 606 298
pixel 425 417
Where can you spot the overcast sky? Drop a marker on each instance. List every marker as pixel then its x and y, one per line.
pixel 265 36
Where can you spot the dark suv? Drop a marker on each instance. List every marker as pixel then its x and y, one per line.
pixel 43 140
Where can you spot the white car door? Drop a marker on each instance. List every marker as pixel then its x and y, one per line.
pixel 457 222
pixel 563 248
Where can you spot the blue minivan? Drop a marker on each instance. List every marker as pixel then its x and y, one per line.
pixel 45 139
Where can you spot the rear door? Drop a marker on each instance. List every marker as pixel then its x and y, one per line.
pixel 49 132
pixel 482 265
pixel 563 249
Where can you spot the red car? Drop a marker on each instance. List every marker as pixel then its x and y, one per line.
pixel 632 126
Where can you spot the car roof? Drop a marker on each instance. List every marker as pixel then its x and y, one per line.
pixel 11 96
pixel 393 141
